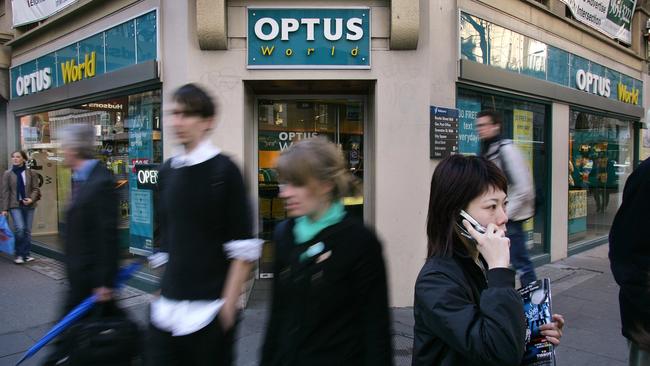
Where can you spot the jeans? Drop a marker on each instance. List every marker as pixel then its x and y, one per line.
pixel 519 253
pixel 23 217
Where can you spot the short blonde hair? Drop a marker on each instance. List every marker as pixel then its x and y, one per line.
pixel 317 158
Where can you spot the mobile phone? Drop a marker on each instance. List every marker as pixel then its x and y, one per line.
pixel 461 228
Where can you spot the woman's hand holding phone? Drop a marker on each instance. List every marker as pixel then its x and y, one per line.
pixel 493 245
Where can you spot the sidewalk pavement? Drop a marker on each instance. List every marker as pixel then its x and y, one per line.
pixel 584 291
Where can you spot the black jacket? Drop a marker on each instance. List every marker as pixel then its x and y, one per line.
pixel 331 308
pixel 91 247
pixel 464 318
pixel 629 254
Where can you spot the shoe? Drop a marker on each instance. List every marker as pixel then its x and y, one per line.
pixel 28 259
pixel 19 260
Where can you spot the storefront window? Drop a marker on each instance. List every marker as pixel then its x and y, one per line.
pixel 128 132
pixel 525 123
pixel 282 122
pixel 600 161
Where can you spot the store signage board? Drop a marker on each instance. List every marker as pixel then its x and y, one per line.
pixel 443 132
pixel 308 38
pixel 555 65
pixel 30 11
pixel 612 18
pixel 126 44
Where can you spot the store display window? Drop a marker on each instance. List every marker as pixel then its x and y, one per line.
pixel 128 133
pixel 281 123
pixel 525 123
pixel 600 160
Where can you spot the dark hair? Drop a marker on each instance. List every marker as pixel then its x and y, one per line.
pixel 195 100
pixel 456 181
pixel 21 152
pixel 494 116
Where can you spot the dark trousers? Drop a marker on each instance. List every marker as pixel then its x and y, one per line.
pixel 208 346
pixel 519 254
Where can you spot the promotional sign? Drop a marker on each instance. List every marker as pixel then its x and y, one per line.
pixel 522 136
pixel 141 196
pixel 30 11
pixel 613 18
pixel 443 132
pixel 468 141
pixel 308 38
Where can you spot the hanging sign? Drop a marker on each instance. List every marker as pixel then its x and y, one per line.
pixel 30 11
pixel 613 18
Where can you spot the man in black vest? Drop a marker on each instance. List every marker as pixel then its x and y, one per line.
pixel 206 239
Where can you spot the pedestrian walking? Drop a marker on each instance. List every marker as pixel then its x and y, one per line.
pixel 467 311
pixel 19 194
pixel 91 246
pixel 206 234
pixel 629 255
pixel 330 298
pixel 521 191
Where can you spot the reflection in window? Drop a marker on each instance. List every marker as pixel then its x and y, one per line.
pixel 473 38
pixel 600 161
pixel 524 122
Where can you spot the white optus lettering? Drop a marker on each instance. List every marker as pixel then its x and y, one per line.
pixel 593 83
pixel 259 32
pixel 34 82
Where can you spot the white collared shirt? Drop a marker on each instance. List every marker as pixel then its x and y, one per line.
pixel 185 317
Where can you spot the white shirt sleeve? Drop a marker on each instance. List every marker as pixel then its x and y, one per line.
pixel 247 250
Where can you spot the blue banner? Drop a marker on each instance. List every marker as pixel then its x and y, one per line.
pixel 308 38
pixel 132 42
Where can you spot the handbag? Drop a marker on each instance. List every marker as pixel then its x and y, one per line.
pixel 7 241
pixel 103 340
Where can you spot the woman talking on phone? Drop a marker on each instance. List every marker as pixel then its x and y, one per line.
pixel 19 195
pixel 467 311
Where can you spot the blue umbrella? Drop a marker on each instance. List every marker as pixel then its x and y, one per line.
pixel 124 274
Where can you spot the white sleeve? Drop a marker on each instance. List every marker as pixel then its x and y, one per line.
pixel 247 250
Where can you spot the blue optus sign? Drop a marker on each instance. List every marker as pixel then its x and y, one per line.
pixel 308 38
pixel 126 44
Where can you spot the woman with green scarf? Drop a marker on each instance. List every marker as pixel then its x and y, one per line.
pixel 330 299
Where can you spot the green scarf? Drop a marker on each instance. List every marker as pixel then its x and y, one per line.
pixel 305 229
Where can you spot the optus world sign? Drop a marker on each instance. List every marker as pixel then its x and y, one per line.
pixel 308 38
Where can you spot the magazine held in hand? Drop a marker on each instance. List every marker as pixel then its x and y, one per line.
pixel 537 308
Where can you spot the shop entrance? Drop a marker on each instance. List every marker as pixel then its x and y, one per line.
pixel 283 121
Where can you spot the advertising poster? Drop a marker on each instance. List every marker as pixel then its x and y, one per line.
pixel 522 136
pixel 468 141
pixel 613 18
pixel 25 12
pixel 141 200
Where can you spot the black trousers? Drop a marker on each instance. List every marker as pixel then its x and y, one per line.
pixel 208 346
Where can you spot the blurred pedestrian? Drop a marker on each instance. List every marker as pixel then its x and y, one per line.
pixel 629 254
pixel 521 191
pixel 206 234
pixel 91 246
pixel 330 298
pixel 467 311
pixel 20 192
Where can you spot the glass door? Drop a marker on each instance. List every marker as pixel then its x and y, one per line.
pixel 281 122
